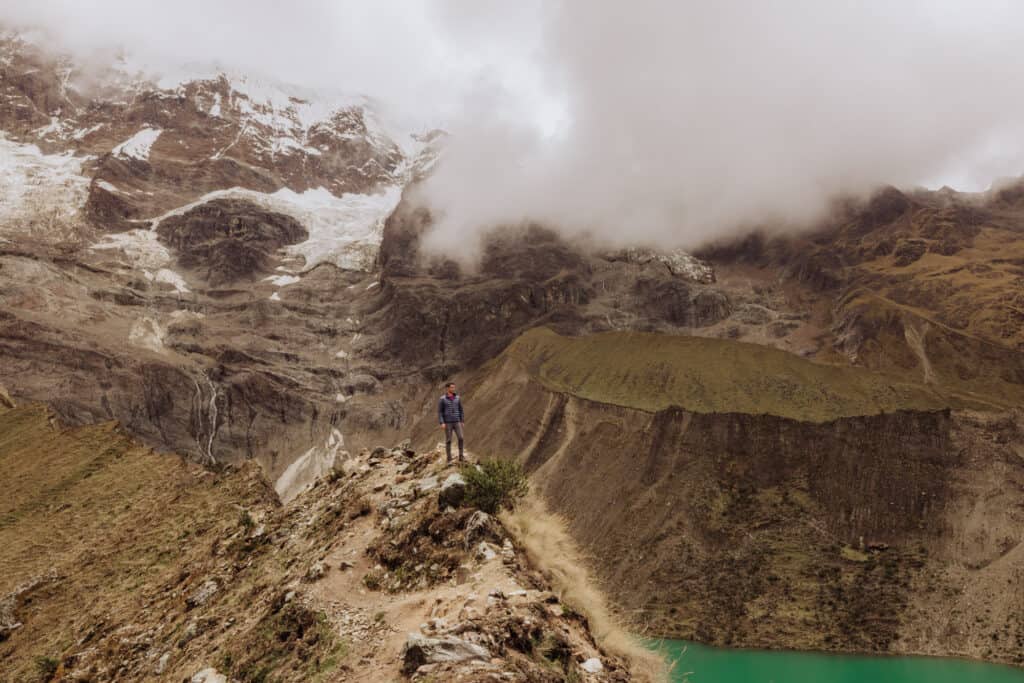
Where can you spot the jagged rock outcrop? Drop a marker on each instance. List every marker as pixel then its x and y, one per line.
pixel 420 651
pixel 229 239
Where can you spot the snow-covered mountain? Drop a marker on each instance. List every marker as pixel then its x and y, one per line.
pixel 101 157
pixel 159 232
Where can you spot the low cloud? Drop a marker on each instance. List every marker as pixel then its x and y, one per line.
pixel 683 122
pixel 665 123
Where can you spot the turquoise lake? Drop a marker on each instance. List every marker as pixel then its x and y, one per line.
pixel 702 664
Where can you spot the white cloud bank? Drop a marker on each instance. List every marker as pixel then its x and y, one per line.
pixel 651 121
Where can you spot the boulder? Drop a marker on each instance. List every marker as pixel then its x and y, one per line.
pixel 485 552
pixel 480 526
pixel 420 651
pixel 592 666
pixel 453 491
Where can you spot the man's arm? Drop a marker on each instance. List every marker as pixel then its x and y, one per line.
pixel 462 415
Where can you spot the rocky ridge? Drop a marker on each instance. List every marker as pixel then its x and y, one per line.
pixel 363 577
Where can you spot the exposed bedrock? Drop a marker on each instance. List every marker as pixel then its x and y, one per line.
pixel 229 239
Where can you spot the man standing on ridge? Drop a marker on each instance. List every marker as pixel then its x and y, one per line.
pixel 449 414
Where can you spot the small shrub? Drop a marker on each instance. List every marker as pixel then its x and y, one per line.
pixel 495 484
pixel 246 520
pixel 373 579
pixel 46 667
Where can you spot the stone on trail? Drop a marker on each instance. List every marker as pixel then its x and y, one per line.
pixel 420 650
pixel 485 552
pixel 592 665
pixel 453 491
pixel 480 525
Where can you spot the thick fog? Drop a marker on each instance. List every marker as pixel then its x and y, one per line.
pixel 665 122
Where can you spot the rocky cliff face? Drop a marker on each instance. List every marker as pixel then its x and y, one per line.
pixel 189 255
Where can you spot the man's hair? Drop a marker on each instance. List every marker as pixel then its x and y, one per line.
pixel 449 384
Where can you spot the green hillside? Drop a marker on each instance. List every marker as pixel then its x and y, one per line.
pixel 654 371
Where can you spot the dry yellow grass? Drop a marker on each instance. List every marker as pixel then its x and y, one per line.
pixel 550 548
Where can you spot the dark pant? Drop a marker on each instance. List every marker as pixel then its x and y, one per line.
pixel 450 427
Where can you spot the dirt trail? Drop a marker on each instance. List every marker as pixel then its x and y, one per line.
pixel 346 595
pixel 411 570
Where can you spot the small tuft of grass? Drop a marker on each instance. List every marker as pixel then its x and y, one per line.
pixel 246 520
pixel 373 579
pixel 46 667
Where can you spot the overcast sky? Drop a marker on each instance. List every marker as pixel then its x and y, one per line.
pixel 671 122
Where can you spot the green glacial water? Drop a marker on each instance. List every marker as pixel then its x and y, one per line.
pixel 702 664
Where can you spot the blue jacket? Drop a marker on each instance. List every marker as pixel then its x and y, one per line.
pixel 449 409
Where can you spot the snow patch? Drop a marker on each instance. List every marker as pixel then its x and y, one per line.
pixel 275 297
pixel 138 145
pixel 83 132
pixel 146 333
pixel 108 187
pixel 55 127
pixel 39 192
pixel 345 230
pixel 311 465
pixel 141 247
pixel 169 277
pixel 286 145
pixel 144 251
pixel 283 280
